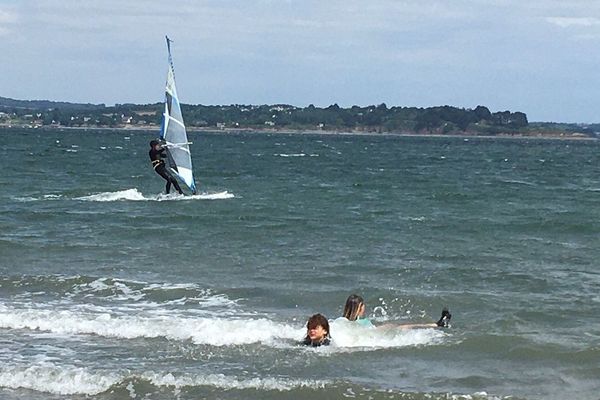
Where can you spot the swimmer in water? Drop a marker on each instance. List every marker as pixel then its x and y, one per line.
pixel 317 331
pixel 354 310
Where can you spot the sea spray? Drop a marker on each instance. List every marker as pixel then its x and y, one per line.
pixel 135 195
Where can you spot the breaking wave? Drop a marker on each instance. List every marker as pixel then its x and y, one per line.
pixel 213 330
pixel 123 309
pixel 70 380
pixel 125 293
pixel 47 377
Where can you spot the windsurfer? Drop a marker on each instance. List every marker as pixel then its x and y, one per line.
pixel 157 153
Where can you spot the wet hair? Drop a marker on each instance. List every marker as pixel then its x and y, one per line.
pixel 352 307
pixel 316 320
pixel 313 322
pixel 154 143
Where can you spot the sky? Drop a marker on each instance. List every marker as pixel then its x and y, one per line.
pixel 541 57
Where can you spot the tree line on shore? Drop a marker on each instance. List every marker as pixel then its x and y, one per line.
pixel 373 118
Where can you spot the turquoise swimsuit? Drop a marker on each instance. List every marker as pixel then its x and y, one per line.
pixel 366 322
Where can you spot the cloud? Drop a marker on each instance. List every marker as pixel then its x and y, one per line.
pixel 568 22
pixel 7 21
pixel 403 52
pixel 7 17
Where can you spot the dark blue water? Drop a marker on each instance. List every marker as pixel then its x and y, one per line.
pixel 109 289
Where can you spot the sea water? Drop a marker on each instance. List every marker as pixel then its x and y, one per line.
pixel 110 289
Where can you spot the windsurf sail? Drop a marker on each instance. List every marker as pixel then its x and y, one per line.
pixel 173 132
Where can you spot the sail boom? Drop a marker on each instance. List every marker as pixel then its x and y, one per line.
pixel 177 121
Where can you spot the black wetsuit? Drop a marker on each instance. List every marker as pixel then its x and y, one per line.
pixel 325 342
pixel 156 156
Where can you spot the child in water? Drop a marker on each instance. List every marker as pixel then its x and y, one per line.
pixel 317 331
pixel 354 310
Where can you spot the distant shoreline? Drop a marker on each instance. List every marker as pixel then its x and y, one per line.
pixel 150 128
pixel 371 120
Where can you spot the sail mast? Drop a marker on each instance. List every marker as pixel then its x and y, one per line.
pixel 173 130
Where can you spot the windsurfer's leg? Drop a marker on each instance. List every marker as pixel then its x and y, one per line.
pixel 163 173
pixel 176 184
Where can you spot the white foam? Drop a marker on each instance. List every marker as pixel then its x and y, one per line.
pixel 228 382
pixel 122 290
pixel 215 196
pixel 44 197
pixel 295 155
pixel 129 194
pixel 213 330
pixel 97 285
pixel 69 380
pixel 136 195
pixel 25 199
pixel 113 295
pixel 46 377
pixel 348 334
pixel 290 155
pixel 163 323
pixel 171 286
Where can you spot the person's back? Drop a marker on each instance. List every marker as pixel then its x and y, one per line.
pixel 157 153
pixel 365 322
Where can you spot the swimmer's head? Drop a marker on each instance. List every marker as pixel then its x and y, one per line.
pixel 317 328
pixel 354 308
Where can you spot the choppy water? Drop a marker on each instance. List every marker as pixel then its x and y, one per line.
pixel 110 290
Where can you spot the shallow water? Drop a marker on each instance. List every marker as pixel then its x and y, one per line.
pixel 110 289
